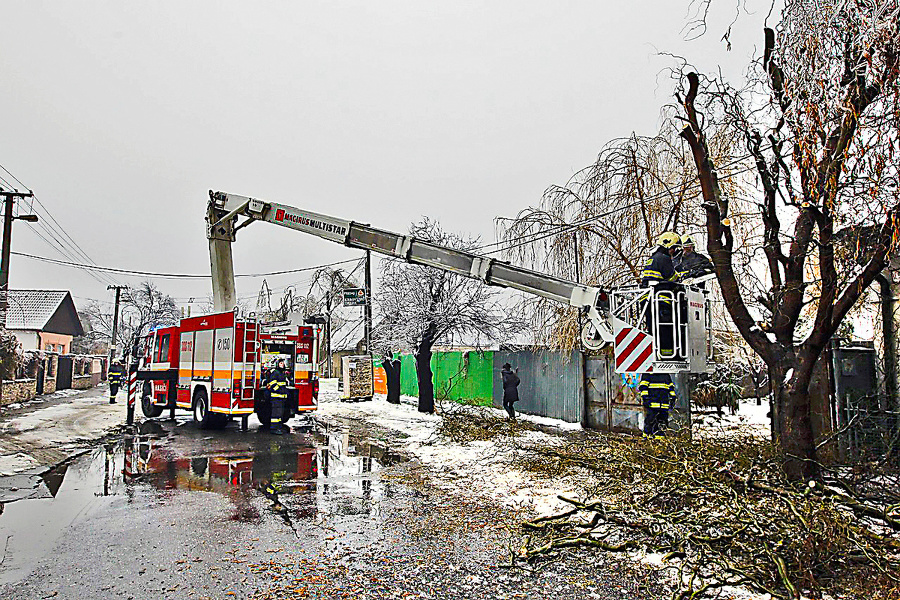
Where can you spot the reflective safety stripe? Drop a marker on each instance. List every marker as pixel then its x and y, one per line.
pixel 659 405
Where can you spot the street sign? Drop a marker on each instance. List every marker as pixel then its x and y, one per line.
pixel 354 297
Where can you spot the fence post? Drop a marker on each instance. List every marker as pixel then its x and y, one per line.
pixel 132 392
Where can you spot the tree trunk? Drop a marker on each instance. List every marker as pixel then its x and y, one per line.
pixel 425 379
pixel 793 428
pixel 392 373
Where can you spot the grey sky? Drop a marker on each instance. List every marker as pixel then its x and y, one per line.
pixel 122 115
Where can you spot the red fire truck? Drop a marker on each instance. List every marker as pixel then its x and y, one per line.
pixel 214 366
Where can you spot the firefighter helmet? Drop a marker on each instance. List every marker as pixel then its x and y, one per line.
pixel 669 239
pixel 687 241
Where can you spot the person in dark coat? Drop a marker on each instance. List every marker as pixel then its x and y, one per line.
pixel 690 263
pixel 510 389
pixel 116 375
pixel 277 385
pixel 659 269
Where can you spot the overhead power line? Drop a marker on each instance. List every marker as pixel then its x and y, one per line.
pixel 59 238
pixel 157 275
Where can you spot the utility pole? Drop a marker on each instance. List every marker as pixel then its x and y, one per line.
pixel 368 307
pixel 328 327
pixel 578 276
pixel 8 218
pixel 115 327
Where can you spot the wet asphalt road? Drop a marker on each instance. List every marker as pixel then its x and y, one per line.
pixel 176 512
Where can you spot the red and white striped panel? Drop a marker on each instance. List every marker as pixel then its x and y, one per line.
pixel 634 350
pixel 132 387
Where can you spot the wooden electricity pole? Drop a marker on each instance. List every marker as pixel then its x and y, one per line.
pixel 115 323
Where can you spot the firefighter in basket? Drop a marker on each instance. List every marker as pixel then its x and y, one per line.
pixel 116 374
pixel 277 385
pixel 690 264
pixel 659 272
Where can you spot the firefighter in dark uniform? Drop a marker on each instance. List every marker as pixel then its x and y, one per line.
pixel 278 394
pixel 116 374
pixel 690 263
pixel 659 271
pixel 657 396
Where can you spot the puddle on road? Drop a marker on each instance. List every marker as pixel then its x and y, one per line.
pixel 317 475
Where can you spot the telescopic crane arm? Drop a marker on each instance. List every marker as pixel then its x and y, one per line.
pixel 224 210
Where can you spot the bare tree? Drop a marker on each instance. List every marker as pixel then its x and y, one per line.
pixel 599 227
pixel 818 119
pixel 88 342
pixel 324 297
pixel 423 306
pixel 142 309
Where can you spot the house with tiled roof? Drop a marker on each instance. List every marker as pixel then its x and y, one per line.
pixel 43 319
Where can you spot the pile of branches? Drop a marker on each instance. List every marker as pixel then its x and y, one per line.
pixel 463 424
pixel 719 512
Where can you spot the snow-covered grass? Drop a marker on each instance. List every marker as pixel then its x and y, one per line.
pixel 481 467
pixel 749 419
pixel 488 469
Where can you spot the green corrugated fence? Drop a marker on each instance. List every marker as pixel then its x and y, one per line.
pixel 457 376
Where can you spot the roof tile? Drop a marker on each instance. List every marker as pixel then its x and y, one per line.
pixel 31 309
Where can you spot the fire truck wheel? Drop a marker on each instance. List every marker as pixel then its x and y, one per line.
pixel 202 415
pixel 150 410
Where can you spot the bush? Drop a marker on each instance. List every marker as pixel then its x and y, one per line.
pixel 10 354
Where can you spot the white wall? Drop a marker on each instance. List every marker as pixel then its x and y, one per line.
pixel 29 338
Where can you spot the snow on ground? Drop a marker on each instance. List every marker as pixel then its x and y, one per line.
pixel 42 399
pixel 749 419
pixel 481 467
pixel 85 417
pixel 60 427
pixel 485 466
pixel 17 462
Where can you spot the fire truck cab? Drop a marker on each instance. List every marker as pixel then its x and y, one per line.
pixel 215 366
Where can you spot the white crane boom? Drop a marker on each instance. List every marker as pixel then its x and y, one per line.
pixel 604 327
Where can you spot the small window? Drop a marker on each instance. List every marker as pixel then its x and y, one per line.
pixel 161 353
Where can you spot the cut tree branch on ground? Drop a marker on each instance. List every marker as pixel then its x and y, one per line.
pixel 718 511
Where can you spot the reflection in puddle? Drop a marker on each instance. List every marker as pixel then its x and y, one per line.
pixel 303 477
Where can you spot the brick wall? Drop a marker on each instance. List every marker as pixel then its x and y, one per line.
pixel 82 382
pixel 50 365
pixel 18 391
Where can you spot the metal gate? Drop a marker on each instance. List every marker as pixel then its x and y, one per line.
pixel 612 402
pixel 870 426
pixel 64 373
pixel 39 382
